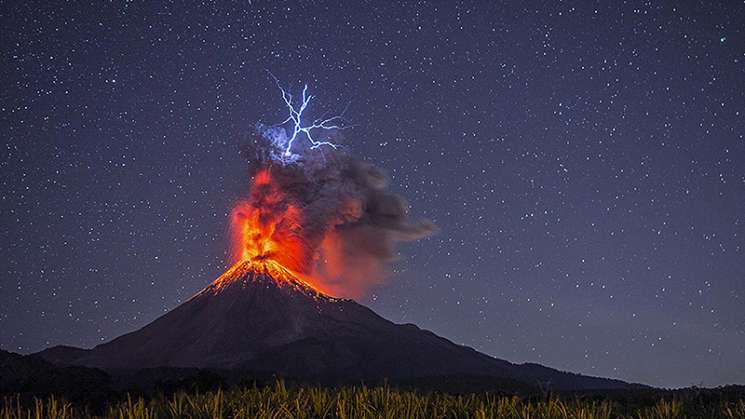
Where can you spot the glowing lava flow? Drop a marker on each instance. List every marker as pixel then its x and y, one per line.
pixel 269 269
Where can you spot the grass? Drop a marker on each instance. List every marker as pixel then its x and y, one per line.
pixel 282 402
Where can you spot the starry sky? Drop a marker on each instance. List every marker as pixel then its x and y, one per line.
pixel 584 162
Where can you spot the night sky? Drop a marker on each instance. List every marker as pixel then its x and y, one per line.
pixel 584 162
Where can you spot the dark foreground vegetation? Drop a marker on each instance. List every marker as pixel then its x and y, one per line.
pixel 288 401
pixel 31 387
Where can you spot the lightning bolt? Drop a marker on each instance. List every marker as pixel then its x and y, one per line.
pixel 296 115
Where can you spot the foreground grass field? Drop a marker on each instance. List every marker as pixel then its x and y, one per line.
pixel 279 401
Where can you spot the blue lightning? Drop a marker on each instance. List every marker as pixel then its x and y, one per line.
pixel 279 136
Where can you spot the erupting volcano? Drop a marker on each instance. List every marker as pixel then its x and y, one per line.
pixel 316 227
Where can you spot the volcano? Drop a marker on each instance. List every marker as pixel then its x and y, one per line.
pixel 259 317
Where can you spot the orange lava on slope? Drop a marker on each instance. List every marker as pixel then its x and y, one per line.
pixel 266 267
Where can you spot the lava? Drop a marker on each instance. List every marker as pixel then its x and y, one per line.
pixel 269 269
pixel 267 232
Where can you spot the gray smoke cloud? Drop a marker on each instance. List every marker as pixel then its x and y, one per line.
pixel 352 222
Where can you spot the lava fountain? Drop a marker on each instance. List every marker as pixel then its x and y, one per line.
pixel 267 233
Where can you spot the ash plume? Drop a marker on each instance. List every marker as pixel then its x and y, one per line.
pixel 349 222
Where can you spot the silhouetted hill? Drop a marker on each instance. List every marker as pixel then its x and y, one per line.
pixel 33 375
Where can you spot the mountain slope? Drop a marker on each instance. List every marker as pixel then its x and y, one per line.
pixel 265 320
